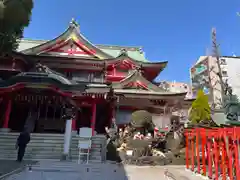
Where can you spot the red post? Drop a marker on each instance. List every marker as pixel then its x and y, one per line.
pixel 197 151
pixel 236 151
pixel 93 120
pixel 74 121
pixel 74 128
pixel 203 135
pixel 187 148
pixel 230 160
pixel 216 156
pixel 209 154
pixel 192 149
pixel 223 158
pixel 7 114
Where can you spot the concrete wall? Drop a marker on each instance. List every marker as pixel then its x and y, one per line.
pixel 232 67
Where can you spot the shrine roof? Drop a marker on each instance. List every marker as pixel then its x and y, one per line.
pixel 135 84
pixel 112 50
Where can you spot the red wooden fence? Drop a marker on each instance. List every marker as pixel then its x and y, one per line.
pixel 214 152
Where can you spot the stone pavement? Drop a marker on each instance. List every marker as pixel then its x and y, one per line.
pixel 72 171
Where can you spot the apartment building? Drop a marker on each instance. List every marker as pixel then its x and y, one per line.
pixel 204 75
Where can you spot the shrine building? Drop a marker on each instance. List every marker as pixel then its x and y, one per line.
pixel 105 83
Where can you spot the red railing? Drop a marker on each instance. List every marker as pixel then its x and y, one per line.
pixel 214 152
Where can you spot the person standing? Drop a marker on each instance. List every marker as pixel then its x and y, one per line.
pixel 21 144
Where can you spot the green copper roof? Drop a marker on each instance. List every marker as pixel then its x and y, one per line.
pixel 133 52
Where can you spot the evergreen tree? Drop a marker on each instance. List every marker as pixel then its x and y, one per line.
pixel 14 17
pixel 200 110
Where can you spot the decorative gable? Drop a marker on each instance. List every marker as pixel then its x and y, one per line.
pixel 70 48
pixel 136 85
pixel 70 43
pixel 124 64
pixel 136 81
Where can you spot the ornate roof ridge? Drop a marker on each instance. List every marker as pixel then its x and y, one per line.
pixel 108 46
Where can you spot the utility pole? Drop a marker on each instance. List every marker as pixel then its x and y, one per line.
pixel 216 54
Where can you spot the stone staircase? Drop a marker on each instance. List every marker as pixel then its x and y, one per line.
pixel 41 146
pixel 49 147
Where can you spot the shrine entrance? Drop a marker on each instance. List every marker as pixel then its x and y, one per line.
pixel 18 116
pixel 84 117
pixel 41 113
pixel 103 116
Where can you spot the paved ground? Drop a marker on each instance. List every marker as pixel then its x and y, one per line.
pixel 72 171
pixel 7 166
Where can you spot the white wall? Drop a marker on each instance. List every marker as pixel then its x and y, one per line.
pixel 233 73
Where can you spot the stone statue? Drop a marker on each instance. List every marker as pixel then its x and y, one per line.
pixel 231 104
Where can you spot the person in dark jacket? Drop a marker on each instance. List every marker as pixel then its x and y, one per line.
pixel 22 141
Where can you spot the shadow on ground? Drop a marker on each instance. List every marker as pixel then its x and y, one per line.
pixel 7 166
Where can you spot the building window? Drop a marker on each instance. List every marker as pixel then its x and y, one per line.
pixel 223 61
pixel 224 73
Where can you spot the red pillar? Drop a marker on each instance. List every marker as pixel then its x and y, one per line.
pixel 209 154
pixel 203 135
pixel 93 120
pixel 187 148
pixel 7 114
pixel 74 121
pixel 197 151
pixel 192 150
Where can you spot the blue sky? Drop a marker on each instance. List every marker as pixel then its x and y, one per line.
pixel 173 30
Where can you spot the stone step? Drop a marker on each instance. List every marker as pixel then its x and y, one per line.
pixel 45 153
pixel 33 146
pixel 32 134
pixel 48 141
pixel 32 157
pixel 48 146
pixel 45 141
pixel 48 150
pixel 50 156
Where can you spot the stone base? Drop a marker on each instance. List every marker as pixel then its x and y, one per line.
pixel 5 130
pixel 74 133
